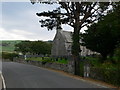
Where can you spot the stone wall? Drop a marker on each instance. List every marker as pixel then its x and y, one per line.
pixel 64 67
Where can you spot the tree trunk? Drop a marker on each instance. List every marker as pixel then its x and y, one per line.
pixel 77 65
pixel 76 49
pixel 76 39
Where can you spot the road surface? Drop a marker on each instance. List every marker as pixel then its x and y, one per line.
pixel 18 75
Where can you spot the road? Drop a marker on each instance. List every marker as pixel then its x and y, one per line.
pixel 18 75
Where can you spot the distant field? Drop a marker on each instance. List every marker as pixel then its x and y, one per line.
pixel 8 45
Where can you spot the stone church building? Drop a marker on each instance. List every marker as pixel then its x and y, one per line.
pixel 62 44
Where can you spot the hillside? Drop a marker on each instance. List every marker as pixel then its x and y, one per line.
pixel 8 45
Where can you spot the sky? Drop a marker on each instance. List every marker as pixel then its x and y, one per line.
pixel 19 22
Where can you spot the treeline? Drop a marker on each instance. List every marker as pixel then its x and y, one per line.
pixel 34 47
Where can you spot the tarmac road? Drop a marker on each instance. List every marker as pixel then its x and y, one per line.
pixel 18 75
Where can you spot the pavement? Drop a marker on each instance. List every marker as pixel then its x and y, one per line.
pixel 18 75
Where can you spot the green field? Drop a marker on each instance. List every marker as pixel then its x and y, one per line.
pixel 8 45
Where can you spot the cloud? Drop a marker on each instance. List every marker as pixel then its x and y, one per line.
pixel 22 23
pixel 13 34
pixel 16 34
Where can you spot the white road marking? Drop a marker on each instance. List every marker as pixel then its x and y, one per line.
pixel 3 81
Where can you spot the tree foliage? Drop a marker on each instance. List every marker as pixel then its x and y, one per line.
pixel 23 47
pixel 40 47
pixel 104 36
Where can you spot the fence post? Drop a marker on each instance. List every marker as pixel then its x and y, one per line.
pixel 86 69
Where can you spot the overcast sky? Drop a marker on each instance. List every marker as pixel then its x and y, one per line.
pixel 19 22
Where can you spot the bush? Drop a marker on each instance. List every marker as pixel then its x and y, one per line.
pixel 10 56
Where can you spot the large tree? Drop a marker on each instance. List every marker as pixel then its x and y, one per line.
pixel 22 47
pixel 40 47
pixel 104 36
pixel 77 15
pixel 33 47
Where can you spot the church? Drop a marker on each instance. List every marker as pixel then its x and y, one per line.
pixel 62 45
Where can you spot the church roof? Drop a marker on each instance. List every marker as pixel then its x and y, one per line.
pixel 67 35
